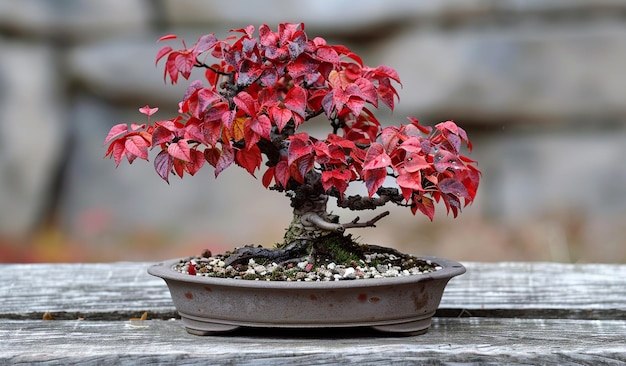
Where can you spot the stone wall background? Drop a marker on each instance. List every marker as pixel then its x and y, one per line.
pixel 540 86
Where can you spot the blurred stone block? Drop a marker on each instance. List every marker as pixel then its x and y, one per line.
pixel 74 19
pixel 32 133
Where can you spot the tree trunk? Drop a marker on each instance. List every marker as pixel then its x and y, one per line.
pixel 310 220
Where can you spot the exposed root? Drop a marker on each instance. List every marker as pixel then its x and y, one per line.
pixel 296 249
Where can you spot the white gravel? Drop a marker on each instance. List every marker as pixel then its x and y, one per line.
pixel 305 271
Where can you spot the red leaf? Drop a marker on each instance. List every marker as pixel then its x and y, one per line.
pixel 179 62
pixel 376 157
pixel 296 99
pixel 454 134
pixel 162 52
pixel 338 178
pixel 167 37
pixel 184 62
pixel 299 146
pixel 195 163
pixel 301 67
pixel 386 72
pixel 193 132
pixel 447 160
pixel 147 110
pixel 205 43
pixel 386 92
pixel 453 203
pixel 410 181
pixel 163 164
pixel 415 162
pixel 425 205
pixel 341 49
pixel 327 54
pixel 179 167
pixel 355 105
pixel 424 129
pixel 117 151
pixel 367 91
pixel 389 137
pixel 454 187
pixel 297 44
pixel 374 179
pixel 302 166
pixel 261 126
pixel 161 135
pixel 247 30
pixel 267 37
pixel 212 155
pixel 249 159
pixel 322 152
pixel 470 179
pixel 180 150
pixel 249 72
pixel 136 146
pixel 337 140
pixel 281 173
pixel 225 160
pixel 245 102
pixel 448 125
pixel 135 126
pixel 280 116
pixel 413 145
pixel 201 103
pixel 268 176
pixel 116 131
pixel 352 71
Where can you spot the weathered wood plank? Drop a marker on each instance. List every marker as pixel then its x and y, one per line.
pixel 116 291
pixel 112 293
pixel 451 340
pixel 511 289
pixel 92 290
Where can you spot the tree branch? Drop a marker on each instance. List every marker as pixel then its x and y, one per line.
pixel 370 223
pixel 314 219
pixel 359 203
pixel 202 64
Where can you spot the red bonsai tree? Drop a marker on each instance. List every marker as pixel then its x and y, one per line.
pixel 257 92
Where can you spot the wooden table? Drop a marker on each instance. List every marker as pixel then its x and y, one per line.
pixel 497 313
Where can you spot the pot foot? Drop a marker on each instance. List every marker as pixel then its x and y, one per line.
pixel 407 328
pixel 204 328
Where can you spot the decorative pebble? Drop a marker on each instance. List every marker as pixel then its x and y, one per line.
pixel 349 273
pixel 305 271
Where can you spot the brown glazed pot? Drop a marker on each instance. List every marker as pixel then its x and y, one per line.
pixel 403 305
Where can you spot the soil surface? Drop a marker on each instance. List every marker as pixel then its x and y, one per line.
pixel 349 261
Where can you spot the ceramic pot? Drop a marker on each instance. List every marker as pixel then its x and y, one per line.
pixel 403 305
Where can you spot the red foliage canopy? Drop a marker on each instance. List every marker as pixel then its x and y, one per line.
pixel 260 89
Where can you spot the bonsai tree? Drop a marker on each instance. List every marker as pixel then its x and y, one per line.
pixel 257 92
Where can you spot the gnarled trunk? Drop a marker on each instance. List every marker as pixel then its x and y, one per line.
pixel 310 220
pixel 312 234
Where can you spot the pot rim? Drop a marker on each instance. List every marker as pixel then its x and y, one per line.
pixel 450 269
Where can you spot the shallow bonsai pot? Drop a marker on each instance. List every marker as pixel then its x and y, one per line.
pixel 403 305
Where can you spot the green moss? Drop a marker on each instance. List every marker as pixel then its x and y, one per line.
pixel 250 276
pixel 294 232
pixel 338 248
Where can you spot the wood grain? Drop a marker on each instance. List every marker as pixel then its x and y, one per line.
pixel 487 289
pixel 451 340
pixel 497 313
